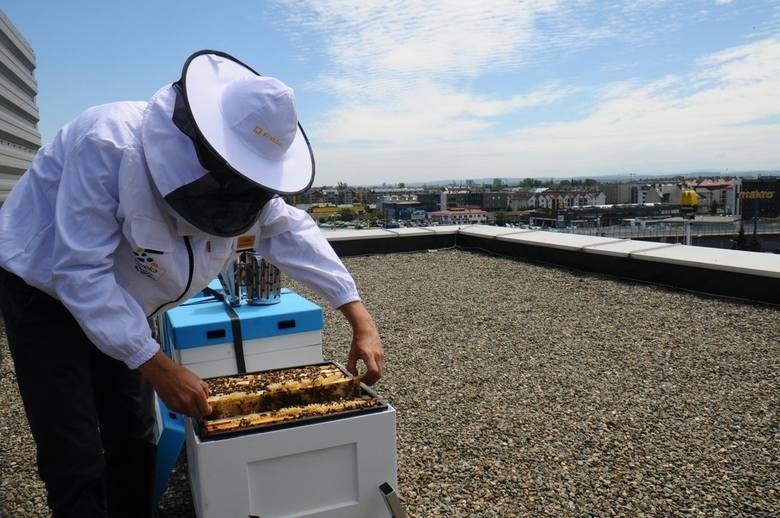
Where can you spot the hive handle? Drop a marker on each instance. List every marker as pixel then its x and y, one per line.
pixel 392 500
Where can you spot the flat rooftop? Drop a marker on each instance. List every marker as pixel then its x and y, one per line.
pixel 529 389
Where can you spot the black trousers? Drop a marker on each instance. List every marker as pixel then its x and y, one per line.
pixel 92 418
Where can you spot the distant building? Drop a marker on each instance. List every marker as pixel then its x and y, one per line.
pixel 645 194
pixel 551 199
pixel 495 200
pixel 606 215
pixel 398 191
pixel 459 216
pixel 399 207
pixel 717 194
pixel 19 137
pixel 328 195
pixel 616 193
pixel 430 201
pixel 670 193
pixel 760 198
pixel 462 198
pixel 474 199
pixel 519 201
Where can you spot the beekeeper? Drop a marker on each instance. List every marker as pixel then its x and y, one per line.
pixel 132 209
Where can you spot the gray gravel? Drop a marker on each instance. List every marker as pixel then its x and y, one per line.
pixel 532 390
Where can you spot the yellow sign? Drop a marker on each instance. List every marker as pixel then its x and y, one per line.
pixel 689 198
pixel 757 195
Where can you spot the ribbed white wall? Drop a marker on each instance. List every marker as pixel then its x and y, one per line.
pixel 19 137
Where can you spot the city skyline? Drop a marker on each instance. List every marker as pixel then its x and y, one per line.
pixel 401 91
pixel 514 181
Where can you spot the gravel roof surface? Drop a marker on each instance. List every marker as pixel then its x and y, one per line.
pixel 531 390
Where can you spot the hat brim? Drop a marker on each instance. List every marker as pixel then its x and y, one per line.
pixel 205 76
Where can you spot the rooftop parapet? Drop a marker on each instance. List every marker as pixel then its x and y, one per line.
pixel 738 274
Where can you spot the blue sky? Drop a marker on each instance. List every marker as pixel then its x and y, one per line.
pixel 404 90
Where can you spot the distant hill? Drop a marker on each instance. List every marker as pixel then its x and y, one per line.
pixel 602 178
pixel 628 177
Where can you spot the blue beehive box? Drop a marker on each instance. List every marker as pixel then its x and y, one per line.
pixel 170 440
pixel 200 335
pixel 201 297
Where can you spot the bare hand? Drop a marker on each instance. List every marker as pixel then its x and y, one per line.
pixel 180 389
pixel 366 344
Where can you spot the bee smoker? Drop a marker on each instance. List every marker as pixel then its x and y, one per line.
pixel 252 279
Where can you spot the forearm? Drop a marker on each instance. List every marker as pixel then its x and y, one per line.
pixel 181 390
pixel 156 367
pixel 366 344
pixel 358 316
pixel 289 239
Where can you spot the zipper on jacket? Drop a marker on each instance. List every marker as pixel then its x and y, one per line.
pixel 191 258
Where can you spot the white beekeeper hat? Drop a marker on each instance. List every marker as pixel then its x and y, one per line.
pixel 249 121
pixel 222 140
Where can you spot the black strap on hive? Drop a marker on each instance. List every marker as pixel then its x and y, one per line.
pixel 235 324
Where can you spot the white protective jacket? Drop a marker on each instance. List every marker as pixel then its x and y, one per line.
pixel 87 225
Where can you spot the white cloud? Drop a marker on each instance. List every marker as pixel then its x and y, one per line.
pixel 662 126
pixel 396 66
pixel 403 74
pixel 434 37
pixel 424 113
pixel 723 2
pixel 732 87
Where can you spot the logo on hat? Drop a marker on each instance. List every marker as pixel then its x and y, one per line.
pixel 247 106
pixel 260 132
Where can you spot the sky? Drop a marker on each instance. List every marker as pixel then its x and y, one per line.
pixel 395 91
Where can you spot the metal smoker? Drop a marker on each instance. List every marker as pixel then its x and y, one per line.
pixel 253 280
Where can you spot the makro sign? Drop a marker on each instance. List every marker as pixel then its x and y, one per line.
pixel 757 195
pixel 760 198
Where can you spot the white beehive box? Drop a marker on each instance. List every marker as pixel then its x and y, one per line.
pixel 325 469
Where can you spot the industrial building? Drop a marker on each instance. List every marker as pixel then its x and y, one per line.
pixel 19 137
pixel 760 198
